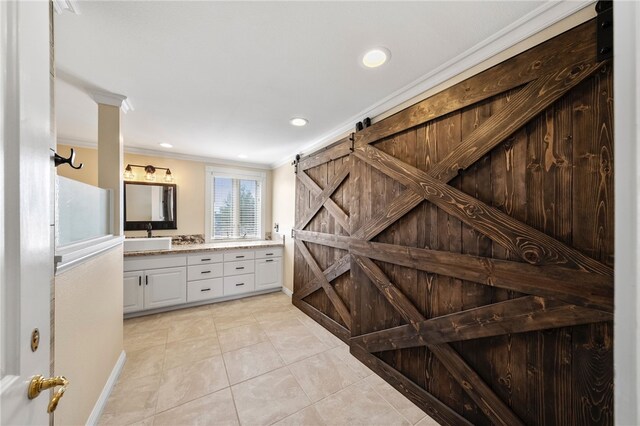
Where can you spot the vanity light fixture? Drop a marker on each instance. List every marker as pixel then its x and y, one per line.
pixel 298 121
pixel 150 172
pixel 128 173
pixel 376 57
pixel 166 145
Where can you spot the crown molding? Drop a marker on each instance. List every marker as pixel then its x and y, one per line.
pixel 113 99
pixel 165 154
pixel 61 5
pixel 530 24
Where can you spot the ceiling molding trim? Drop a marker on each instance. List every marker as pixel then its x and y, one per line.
pixel 61 5
pixel 530 24
pixel 165 154
pixel 112 99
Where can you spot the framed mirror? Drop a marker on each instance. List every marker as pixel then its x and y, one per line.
pixel 150 202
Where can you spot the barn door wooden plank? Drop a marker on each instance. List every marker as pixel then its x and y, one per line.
pixel 569 285
pixel 471 382
pixel 400 206
pixel 323 196
pixel 528 313
pixel 330 205
pixel 534 98
pixel 531 245
pixel 331 240
pixel 336 150
pixel 331 273
pixel 337 302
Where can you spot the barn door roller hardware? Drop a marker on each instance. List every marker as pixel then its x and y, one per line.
pixel 605 29
pixel 295 163
pixel 360 125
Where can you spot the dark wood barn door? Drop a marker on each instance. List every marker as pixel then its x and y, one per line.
pixel 463 247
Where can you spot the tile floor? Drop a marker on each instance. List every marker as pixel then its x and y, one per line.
pixel 254 361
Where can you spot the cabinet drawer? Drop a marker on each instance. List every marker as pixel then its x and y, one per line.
pixel 238 284
pixel 238 255
pixel 203 272
pixel 269 252
pixel 237 268
pixel 204 289
pixel 204 258
pixel 139 263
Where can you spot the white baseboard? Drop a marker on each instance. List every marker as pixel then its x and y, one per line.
pixel 287 291
pixel 106 390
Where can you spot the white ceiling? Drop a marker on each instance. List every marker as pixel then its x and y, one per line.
pixel 220 79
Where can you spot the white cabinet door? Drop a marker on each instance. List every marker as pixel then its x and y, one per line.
pixel 133 294
pixel 165 287
pixel 268 273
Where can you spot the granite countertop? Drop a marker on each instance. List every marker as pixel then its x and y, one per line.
pixel 193 248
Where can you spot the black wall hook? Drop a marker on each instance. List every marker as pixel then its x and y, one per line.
pixel 57 159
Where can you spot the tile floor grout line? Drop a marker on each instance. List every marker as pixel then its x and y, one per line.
pixel 389 402
pixel 233 398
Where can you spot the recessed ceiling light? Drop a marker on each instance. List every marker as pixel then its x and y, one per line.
pixel 298 121
pixel 376 57
pixel 243 156
pixel 166 145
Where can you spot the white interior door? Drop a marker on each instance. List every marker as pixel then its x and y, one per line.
pixel 26 243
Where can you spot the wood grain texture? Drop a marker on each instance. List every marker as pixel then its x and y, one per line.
pixel 330 205
pixel 337 302
pixel 323 197
pixel 524 106
pixel 533 246
pixel 528 313
pixel 472 383
pixel 336 150
pixel 572 286
pixel 331 240
pixel 336 269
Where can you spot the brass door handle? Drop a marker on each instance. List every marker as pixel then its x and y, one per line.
pixel 39 383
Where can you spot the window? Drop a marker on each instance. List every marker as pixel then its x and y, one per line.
pixel 234 204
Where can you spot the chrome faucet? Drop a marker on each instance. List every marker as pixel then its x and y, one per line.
pixel 148 227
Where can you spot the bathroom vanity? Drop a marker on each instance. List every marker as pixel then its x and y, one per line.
pixel 197 274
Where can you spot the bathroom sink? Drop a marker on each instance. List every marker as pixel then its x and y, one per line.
pixel 147 244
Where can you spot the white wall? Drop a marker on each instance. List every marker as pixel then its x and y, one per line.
pixel 626 83
pixel 88 331
pixel 284 200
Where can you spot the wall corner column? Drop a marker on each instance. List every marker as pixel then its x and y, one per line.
pixel 110 155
